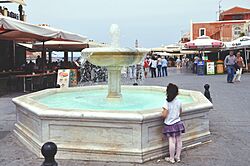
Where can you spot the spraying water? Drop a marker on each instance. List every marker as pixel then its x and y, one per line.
pixel 115 35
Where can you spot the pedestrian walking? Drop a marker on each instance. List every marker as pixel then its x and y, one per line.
pixel 159 66
pixel 153 65
pixel 164 66
pixel 240 65
pixel 146 66
pixel 229 63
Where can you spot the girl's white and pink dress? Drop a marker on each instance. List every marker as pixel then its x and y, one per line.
pixel 173 126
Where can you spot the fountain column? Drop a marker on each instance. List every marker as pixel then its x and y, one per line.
pixel 114 82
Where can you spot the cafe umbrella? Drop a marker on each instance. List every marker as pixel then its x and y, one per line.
pixel 12 29
pixel 204 43
pixel 15 30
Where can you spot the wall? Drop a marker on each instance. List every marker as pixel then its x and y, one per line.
pixel 223 31
pixel 8 61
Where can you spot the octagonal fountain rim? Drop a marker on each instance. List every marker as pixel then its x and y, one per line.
pixel 28 102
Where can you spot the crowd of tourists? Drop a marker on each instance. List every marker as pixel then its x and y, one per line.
pixel 157 65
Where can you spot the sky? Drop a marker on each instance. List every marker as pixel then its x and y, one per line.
pixel 152 22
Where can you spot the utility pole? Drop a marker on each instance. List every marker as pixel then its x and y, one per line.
pixel 219 11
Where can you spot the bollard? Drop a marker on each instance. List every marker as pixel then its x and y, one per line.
pixel 49 150
pixel 207 92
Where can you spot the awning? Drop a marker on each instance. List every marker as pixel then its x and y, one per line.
pixel 241 42
pixel 66 45
pixel 159 49
pixel 189 52
pixel 25 45
pixel 12 29
pixel 60 46
pixel 21 2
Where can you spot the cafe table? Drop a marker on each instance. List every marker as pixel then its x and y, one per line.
pixel 31 76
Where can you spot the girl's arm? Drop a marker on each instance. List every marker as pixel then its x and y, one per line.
pixel 164 113
pixel 180 109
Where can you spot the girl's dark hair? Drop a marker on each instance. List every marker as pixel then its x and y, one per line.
pixel 172 92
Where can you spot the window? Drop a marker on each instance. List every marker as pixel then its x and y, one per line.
pixel 237 17
pixel 237 31
pixel 202 31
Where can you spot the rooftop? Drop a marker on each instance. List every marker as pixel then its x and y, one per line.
pixel 235 10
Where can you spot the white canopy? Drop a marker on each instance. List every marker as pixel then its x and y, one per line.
pixel 67 45
pixel 173 47
pixel 241 42
pixel 159 49
pixel 12 29
pixel 204 43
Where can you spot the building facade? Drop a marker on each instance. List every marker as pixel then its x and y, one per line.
pixel 233 23
pixel 235 13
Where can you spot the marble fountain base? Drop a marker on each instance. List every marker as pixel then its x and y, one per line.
pixel 106 136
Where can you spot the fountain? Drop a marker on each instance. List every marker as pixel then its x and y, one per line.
pixel 114 58
pixel 114 123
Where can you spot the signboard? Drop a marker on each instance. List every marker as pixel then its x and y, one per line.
pixel 73 77
pixel 67 77
pixel 201 68
pixel 63 77
pixel 210 68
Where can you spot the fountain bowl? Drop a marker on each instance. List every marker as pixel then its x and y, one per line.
pixel 107 56
pixel 106 135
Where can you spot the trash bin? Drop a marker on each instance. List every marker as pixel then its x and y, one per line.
pixel 220 67
pixel 201 68
pixel 210 68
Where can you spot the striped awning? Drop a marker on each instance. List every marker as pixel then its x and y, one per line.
pixel 21 2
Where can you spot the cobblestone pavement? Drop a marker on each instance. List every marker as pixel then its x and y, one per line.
pixel 229 126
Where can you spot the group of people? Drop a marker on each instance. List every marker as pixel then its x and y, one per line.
pixel 234 65
pixel 155 63
pixel 40 65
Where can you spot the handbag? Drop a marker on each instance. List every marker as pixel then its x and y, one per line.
pixel 236 66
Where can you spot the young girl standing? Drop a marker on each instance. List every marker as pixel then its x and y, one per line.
pixel 173 126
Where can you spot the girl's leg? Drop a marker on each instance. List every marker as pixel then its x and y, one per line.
pixel 235 77
pixel 172 142
pixel 239 74
pixel 178 147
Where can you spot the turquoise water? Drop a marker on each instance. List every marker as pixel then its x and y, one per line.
pixel 132 100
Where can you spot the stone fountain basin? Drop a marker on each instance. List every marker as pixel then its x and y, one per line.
pixel 114 56
pixel 122 136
